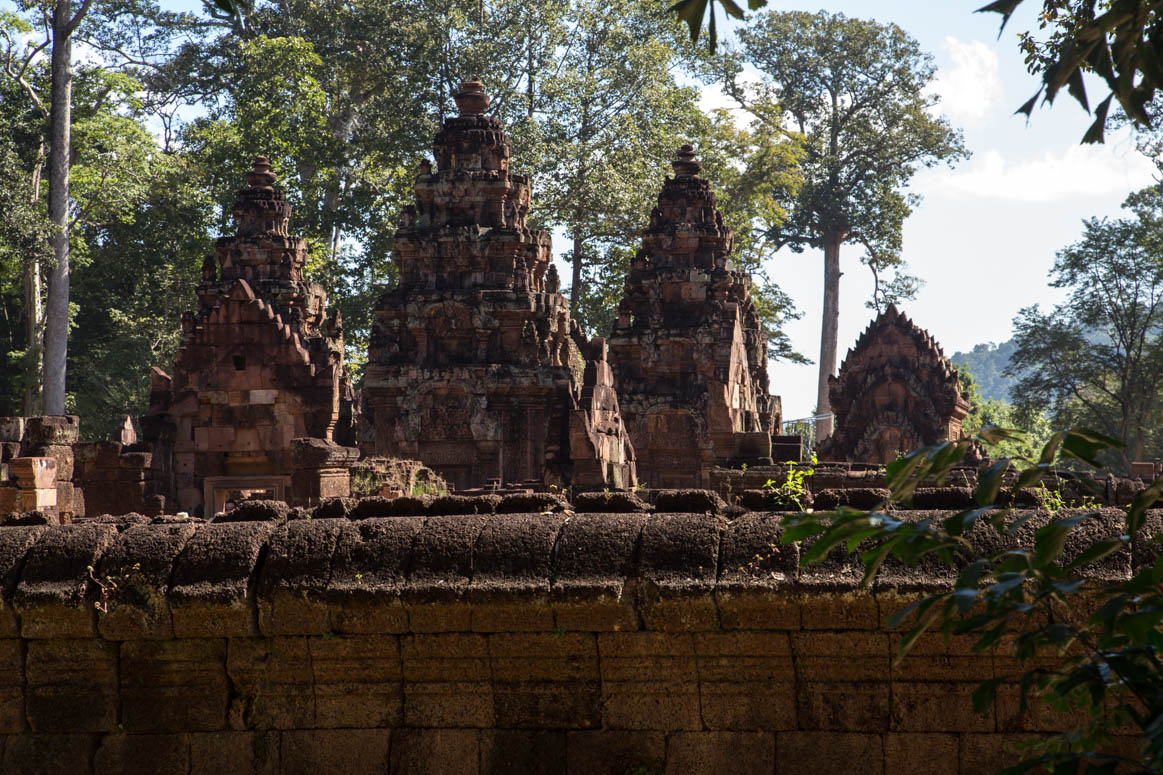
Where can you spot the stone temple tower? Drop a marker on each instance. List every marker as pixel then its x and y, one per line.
pixel 474 365
pixel 688 352
pixel 260 366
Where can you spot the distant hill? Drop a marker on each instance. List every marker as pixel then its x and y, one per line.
pixel 986 362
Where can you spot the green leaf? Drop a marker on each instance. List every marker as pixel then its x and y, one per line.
pixel 989 481
pixel 1050 450
pixel 1137 513
pixel 1097 551
pixel 985 694
pixel 691 12
pixel 1097 131
pixel 1085 445
pixel 1050 539
pixel 962 521
pixel 732 8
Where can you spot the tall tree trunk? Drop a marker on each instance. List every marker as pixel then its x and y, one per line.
pixel 829 333
pixel 56 329
pixel 34 308
pixel 575 289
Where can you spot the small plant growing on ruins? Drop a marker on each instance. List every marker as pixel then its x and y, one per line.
pixel 108 584
pixel 793 490
pixel 1030 600
pixel 429 488
pixel 1052 502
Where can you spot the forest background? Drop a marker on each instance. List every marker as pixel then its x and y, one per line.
pixel 170 106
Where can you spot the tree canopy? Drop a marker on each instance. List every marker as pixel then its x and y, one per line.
pixel 854 92
pixel 1097 358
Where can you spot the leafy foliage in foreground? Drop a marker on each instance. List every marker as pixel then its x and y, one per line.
pixel 1025 599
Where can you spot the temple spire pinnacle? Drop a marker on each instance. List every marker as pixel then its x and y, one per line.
pixel 472 100
pixel 686 165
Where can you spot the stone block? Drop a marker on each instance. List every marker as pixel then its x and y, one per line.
pixel 146 754
pixel 545 681
pixel 52 429
pixel 11 429
pixel 608 752
pixel 823 609
pixel 843 705
pixel 9 493
pixel 54 597
pixel 136 570
pixel 988 753
pixel 61 453
pixel 810 753
pixel 33 473
pixel 71 686
pixel 442 564
pixel 14 544
pixel 11 687
pixel 42 500
pixel 48 754
pixel 436 751
pixel 447 681
pixel 595 559
pixel 649 681
pixel 335 751
pixel 921 754
pixel 294 577
pixel 245 753
pixel 520 752
pixel 209 589
pixel 747 680
pixel 174 686
pixel 358 681
pixel 688 752
pixel 368 572
pixel 678 567
pixel 273 683
pixel 512 564
pixel 937 706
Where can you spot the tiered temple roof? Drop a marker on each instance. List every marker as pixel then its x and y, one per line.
pixel 688 350
pixel 475 367
pixel 896 391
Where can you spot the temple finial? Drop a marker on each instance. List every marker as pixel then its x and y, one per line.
pixel 472 99
pixel 686 165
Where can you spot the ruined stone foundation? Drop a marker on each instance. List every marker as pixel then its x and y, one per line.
pixel 583 644
pixel 687 349
pixel 474 366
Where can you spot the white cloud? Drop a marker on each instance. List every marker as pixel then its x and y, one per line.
pixel 971 87
pixel 1076 171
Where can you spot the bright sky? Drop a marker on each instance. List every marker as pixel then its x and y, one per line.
pixel 985 235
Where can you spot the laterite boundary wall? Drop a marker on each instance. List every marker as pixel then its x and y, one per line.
pixel 532 643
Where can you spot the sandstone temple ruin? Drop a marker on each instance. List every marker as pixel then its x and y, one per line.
pixel 562 626
pixel 254 401
pixel 688 351
pixel 475 367
pixel 896 391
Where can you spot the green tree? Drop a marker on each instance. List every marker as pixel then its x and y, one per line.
pixel 856 91
pixel 1114 40
pixel 1097 358
pixel 992 412
pixel 607 124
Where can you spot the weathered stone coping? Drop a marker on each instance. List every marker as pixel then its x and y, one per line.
pixel 132 579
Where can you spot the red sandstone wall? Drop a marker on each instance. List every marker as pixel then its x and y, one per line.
pixel 554 643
